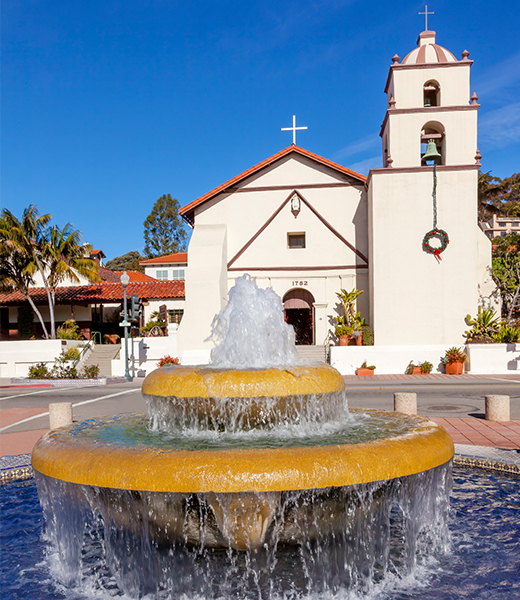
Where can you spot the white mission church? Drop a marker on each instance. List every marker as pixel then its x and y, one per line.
pixel 308 227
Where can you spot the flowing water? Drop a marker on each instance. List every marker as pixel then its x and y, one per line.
pixel 479 560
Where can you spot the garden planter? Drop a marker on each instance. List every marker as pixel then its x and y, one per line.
pixel 365 371
pixel 351 340
pixel 416 371
pixel 343 340
pixel 454 368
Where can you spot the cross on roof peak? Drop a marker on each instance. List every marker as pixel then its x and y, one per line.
pixel 294 129
pixel 426 13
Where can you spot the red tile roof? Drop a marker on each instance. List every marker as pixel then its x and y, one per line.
pixel 180 257
pixel 115 276
pixel 188 210
pixel 100 292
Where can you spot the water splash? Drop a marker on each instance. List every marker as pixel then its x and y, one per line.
pixel 251 332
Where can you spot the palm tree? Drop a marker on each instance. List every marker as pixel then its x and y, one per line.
pixel 66 260
pixel 20 257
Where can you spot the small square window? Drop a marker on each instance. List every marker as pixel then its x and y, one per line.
pixel 178 274
pixel 515 224
pixel 162 275
pixel 502 224
pixel 296 240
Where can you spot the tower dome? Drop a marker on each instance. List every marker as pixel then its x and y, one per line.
pixel 428 51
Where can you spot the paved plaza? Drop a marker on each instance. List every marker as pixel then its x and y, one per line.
pixel 454 401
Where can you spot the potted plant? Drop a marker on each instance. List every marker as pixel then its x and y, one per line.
pixel 168 361
pixel 453 361
pixel 426 367
pixel 351 324
pixel 365 370
pixel 413 369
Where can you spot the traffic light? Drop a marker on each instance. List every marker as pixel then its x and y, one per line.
pixel 136 311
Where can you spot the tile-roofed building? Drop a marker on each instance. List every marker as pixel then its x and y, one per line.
pixel 166 267
pixel 95 306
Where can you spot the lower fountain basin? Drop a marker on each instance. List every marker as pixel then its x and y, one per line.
pixel 234 497
pixel 71 454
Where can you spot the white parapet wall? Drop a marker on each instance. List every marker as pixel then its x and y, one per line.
pixel 497 359
pixel 389 360
pixel 17 356
pixel 145 352
pixel 483 359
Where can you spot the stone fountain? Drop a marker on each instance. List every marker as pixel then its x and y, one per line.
pixel 252 455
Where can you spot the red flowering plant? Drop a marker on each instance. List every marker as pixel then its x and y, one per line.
pixel 168 360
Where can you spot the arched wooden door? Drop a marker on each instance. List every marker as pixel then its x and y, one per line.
pixel 298 307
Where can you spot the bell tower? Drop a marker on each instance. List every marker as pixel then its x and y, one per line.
pixel 428 97
pixel 420 294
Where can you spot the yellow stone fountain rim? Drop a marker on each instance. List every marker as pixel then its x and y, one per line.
pixel 60 456
pixel 205 382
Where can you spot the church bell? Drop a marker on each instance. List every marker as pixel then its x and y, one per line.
pixel 431 152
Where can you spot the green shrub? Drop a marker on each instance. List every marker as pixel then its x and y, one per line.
pixel 483 327
pixel 507 334
pixel 69 331
pixel 39 371
pixel 71 354
pixel 90 372
pixel 368 335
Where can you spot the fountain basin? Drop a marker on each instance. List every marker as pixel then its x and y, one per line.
pixel 62 454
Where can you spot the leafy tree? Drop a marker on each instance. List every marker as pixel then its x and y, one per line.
pixel 498 196
pixel 164 231
pixel 126 262
pixel 488 195
pixel 510 195
pixel 506 272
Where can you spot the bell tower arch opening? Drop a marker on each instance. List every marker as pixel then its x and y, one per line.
pixel 298 306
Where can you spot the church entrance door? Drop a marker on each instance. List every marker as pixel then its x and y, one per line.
pixel 298 307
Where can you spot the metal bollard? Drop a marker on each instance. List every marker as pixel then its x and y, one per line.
pixel 497 408
pixel 60 414
pixel 405 402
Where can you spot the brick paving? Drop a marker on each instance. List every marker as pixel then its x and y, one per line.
pixel 478 432
pixel 469 430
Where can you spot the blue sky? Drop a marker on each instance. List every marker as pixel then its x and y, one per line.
pixel 107 105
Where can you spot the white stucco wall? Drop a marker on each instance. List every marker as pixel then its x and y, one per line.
pixel 16 357
pixel 206 288
pixel 416 299
pixel 323 267
pixel 407 84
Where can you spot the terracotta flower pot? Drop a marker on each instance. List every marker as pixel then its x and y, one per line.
pixel 454 368
pixel 416 371
pixel 343 340
pixel 364 371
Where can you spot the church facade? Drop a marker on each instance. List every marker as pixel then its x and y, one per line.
pixel 308 227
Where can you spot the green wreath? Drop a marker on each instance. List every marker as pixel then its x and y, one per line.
pixel 438 233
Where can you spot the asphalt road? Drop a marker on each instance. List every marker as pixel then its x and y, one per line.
pixel 88 402
pixel 435 399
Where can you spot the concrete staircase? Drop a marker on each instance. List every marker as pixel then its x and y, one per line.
pixel 311 353
pixel 101 355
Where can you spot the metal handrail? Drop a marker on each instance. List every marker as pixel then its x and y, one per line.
pixel 95 334
pixel 83 350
